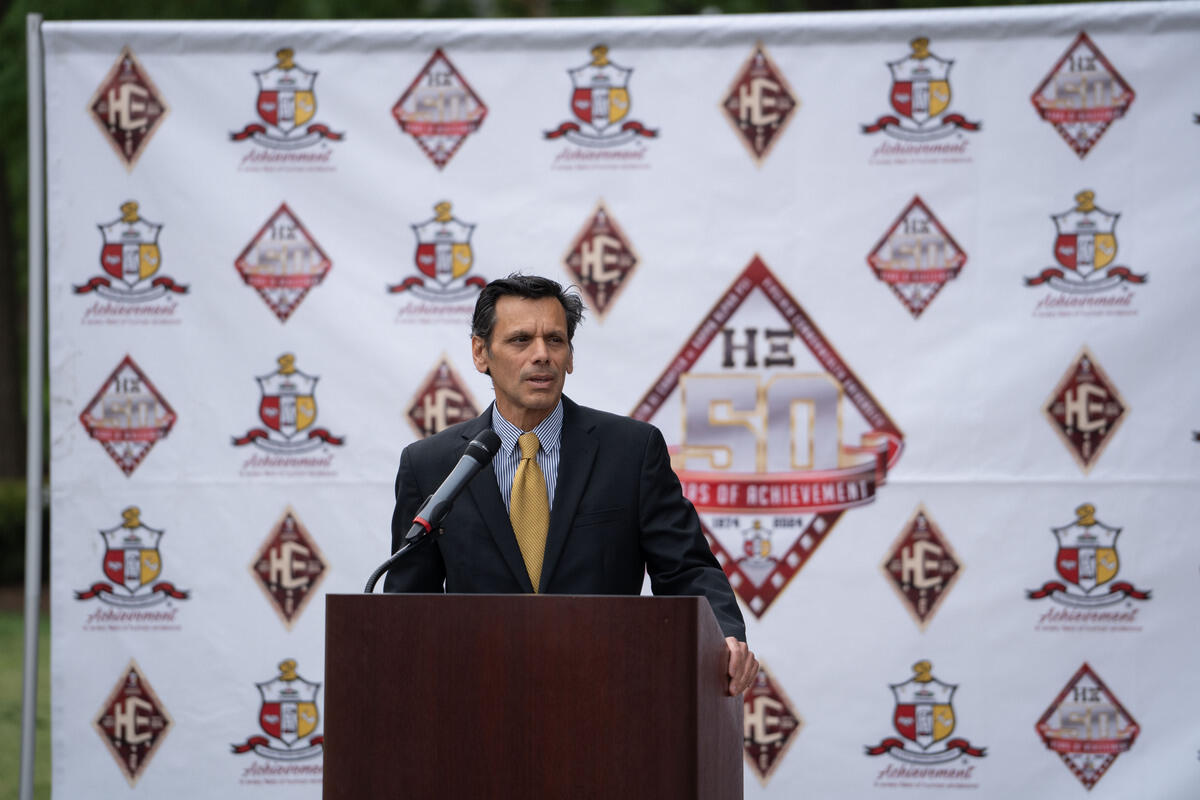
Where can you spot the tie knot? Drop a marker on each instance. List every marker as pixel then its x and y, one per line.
pixel 528 442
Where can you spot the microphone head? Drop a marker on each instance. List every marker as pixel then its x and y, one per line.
pixel 484 446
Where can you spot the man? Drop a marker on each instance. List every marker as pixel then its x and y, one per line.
pixel 577 501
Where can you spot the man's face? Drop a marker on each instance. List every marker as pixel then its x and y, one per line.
pixel 528 357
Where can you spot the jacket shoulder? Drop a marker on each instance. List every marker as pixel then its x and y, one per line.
pixel 613 425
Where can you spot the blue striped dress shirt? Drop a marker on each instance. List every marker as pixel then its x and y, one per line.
pixel 549 434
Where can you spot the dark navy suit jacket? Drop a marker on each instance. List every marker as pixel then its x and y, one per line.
pixel 618 512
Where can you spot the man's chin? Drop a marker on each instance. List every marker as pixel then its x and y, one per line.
pixel 542 398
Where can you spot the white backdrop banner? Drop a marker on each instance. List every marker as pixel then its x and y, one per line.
pixel 907 294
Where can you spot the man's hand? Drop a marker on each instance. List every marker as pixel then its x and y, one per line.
pixel 743 666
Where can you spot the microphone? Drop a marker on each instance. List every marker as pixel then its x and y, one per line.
pixel 478 455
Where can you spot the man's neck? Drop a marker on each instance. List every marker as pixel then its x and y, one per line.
pixel 525 419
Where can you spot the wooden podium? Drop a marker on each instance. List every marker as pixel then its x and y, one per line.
pixel 547 697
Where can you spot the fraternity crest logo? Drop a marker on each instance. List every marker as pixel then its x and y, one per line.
pixel 128 108
pixel 1085 410
pixel 283 262
pixel 770 723
pixel 442 401
pixel 921 566
pixel 130 259
pixel 601 260
pixel 288 409
pixel 1082 95
pixel 288 567
pixel 924 716
pixel 127 415
pixel 759 103
pixel 778 437
pixel 600 104
pixel 132 563
pixel 289 716
pixel 1085 246
pixel 286 106
pixel 1087 727
pixel 920 94
pixel 133 723
pixel 444 256
pixel 439 109
pixel 1087 560
pixel 916 257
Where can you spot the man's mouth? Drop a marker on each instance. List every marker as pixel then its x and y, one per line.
pixel 541 381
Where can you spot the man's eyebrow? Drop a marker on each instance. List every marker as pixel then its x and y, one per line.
pixel 562 332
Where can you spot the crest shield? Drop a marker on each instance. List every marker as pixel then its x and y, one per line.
pixel 1087 552
pixel 131 556
pixel 756 543
pixel 289 705
pixel 288 403
pixel 923 713
pixel 600 91
pixel 286 98
pixel 130 250
pixel 444 246
pixel 920 83
pixel 1085 236
pixel 920 100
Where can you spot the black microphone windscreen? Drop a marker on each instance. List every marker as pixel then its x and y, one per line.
pixel 484 446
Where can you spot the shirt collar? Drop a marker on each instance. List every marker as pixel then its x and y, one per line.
pixel 549 430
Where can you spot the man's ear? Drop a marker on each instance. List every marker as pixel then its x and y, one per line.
pixel 479 354
pixel 570 362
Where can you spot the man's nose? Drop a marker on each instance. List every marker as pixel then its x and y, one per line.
pixel 540 351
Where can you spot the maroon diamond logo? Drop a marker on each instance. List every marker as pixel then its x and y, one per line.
pixel 442 401
pixel 1085 410
pixel 759 103
pixel 128 107
pixel 777 436
pixel 289 567
pixel 439 109
pixel 770 724
pixel 921 566
pixel 1082 95
pixel 601 260
pixel 916 257
pixel 127 416
pixel 1087 727
pixel 283 262
pixel 133 722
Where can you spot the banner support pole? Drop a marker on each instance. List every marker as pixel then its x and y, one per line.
pixel 33 451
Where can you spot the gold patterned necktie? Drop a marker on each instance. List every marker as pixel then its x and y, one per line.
pixel 529 508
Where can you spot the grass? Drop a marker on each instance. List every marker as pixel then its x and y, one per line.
pixel 12 648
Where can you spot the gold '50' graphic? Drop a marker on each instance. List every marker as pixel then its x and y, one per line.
pixel 742 423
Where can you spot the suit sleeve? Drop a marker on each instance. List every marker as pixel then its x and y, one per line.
pixel 678 558
pixel 420 569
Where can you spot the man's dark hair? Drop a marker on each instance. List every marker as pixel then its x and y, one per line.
pixel 529 287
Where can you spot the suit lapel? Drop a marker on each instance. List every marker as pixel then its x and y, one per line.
pixel 485 493
pixel 577 454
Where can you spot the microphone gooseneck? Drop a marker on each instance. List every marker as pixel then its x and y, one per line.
pixel 479 453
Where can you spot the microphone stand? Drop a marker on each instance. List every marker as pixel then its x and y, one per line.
pixel 479 454
pixel 417 534
pixel 395 557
